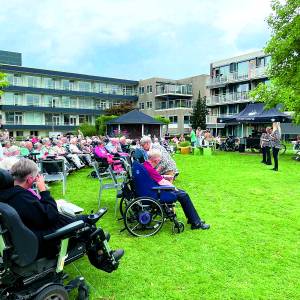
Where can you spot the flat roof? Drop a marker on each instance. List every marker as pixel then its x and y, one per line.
pixel 69 75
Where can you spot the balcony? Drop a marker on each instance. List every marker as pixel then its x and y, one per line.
pixel 174 89
pixel 254 73
pixel 228 98
pixel 173 104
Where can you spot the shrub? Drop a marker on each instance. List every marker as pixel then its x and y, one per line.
pixel 184 144
pixel 88 129
pixel 101 123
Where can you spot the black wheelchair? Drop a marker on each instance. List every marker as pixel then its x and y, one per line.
pixel 145 213
pixel 26 274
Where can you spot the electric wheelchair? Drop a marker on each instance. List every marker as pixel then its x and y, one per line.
pixel 145 205
pixel 26 274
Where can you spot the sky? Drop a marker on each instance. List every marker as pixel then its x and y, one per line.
pixel 132 39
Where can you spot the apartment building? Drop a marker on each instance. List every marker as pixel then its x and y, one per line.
pixel 173 99
pixel 39 101
pixel 229 85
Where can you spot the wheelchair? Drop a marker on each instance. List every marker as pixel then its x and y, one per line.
pixel 145 206
pixel 26 273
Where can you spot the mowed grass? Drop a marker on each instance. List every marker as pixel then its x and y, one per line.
pixel 250 252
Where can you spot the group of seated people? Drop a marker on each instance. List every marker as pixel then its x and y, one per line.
pixel 39 211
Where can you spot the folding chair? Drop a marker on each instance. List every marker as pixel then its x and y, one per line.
pixel 108 180
pixel 54 170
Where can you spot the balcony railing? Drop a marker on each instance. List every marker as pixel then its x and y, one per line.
pixel 228 98
pixel 236 76
pixel 181 89
pixel 173 104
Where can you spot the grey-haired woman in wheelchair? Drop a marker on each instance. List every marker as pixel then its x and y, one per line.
pixel 41 216
pixel 154 157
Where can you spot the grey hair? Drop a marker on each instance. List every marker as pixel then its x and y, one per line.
pixel 154 153
pixel 24 167
pixel 144 140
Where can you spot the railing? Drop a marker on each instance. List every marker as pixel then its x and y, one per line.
pixel 180 89
pixel 172 105
pixel 228 98
pixel 120 92
pixel 236 76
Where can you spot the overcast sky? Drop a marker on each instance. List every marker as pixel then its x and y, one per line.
pixel 132 39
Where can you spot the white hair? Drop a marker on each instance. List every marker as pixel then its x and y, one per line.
pixel 24 167
pixel 144 140
pixel 154 153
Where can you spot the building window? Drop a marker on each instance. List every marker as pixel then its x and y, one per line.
pixel 49 83
pixel 14 118
pixel 32 81
pixel 19 133
pixel 65 85
pixel 34 132
pixel 149 89
pixel 149 104
pixel 142 105
pixel 84 86
pixel 65 102
pixel 233 67
pixel 173 119
pixel 141 90
pixel 83 119
pixel 33 100
pixel 187 120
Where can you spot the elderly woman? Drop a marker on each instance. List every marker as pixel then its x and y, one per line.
pixel 275 143
pixel 154 157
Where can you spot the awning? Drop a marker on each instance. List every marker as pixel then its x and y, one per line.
pixel 255 113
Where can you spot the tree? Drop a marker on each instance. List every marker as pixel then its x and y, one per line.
pixel 100 123
pixel 119 110
pixel 284 68
pixel 88 129
pixel 198 117
pixel 3 82
pixel 162 119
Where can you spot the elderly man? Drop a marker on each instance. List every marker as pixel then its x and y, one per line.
pixel 167 165
pixel 190 212
pixel 39 214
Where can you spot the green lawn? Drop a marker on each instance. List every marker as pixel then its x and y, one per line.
pixel 250 252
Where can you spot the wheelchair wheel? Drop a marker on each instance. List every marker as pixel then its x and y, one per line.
pixel 144 217
pixel 123 204
pixel 178 227
pixel 53 292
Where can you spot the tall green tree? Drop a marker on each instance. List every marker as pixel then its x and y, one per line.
pixel 3 82
pixel 284 68
pixel 198 117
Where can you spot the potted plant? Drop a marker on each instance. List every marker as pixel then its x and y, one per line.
pixel 185 147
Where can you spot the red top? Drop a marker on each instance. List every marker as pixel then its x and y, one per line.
pixel 152 172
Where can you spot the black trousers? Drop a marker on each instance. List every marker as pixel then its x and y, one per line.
pixel 187 206
pixel 275 156
pixel 268 155
pixel 263 150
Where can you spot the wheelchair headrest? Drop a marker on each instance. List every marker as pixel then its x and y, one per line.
pixel 6 180
pixel 24 241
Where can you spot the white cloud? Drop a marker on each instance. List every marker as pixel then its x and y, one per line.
pixel 64 31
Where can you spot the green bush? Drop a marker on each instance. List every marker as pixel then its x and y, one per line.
pixel 88 129
pixel 162 119
pixel 101 123
pixel 184 144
